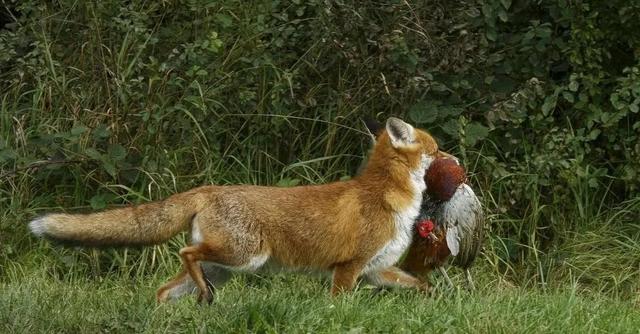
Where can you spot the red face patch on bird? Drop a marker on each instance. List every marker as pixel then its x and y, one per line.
pixel 425 227
pixel 443 178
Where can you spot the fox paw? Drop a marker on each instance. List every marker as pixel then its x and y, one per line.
pixel 426 289
pixel 205 297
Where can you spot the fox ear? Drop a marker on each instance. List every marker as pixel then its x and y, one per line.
pixel 373 128
pixel 401 133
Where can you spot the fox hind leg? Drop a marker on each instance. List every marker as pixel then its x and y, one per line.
pixel 178 283
pixel 192 256
pixel 182 285
pixel 232 258
pixel 222 238
pixel 215 275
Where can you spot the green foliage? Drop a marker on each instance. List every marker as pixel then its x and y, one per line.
pixel 105 103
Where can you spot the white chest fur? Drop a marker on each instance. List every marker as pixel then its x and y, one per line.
pixel 404 221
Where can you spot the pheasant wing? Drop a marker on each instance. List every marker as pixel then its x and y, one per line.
pixel 464 220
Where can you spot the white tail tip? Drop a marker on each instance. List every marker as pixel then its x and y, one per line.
pixel 38 226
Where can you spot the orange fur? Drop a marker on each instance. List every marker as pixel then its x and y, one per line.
pixel 350 227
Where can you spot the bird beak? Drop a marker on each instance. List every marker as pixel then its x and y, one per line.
pixel 445 155
pixel 433 237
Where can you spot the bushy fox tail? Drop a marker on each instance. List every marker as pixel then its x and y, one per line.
pixel 143 224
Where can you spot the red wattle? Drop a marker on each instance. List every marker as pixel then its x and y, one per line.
pixel 425 227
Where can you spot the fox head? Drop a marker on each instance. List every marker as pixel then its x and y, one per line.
pixel 400 145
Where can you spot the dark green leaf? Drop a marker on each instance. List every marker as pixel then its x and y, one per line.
pixel 288 182
pixel 549 104
pixel 491 34
pixel 503 84
pixel 109 167
pixel 423 112
pixel 503 16
pixel 568 96
pixel 475 132
pixel 224 20
pixel 116 152
pixel 451 127
pixel 573 86
pixel 93 153
pixel 98 202
pixel 78 130
pixel 101 132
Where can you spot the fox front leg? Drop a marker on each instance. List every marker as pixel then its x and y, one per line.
pixel 345 276
pixel 396 277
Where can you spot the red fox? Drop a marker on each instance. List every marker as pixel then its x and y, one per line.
pixel 358 227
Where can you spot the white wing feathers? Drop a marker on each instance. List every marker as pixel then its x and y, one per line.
pixel 462 216
pixel 453 240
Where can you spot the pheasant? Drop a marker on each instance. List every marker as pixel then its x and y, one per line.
pixel 451 222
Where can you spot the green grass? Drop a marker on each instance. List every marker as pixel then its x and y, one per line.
pixel 587 281
pixel 36 302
